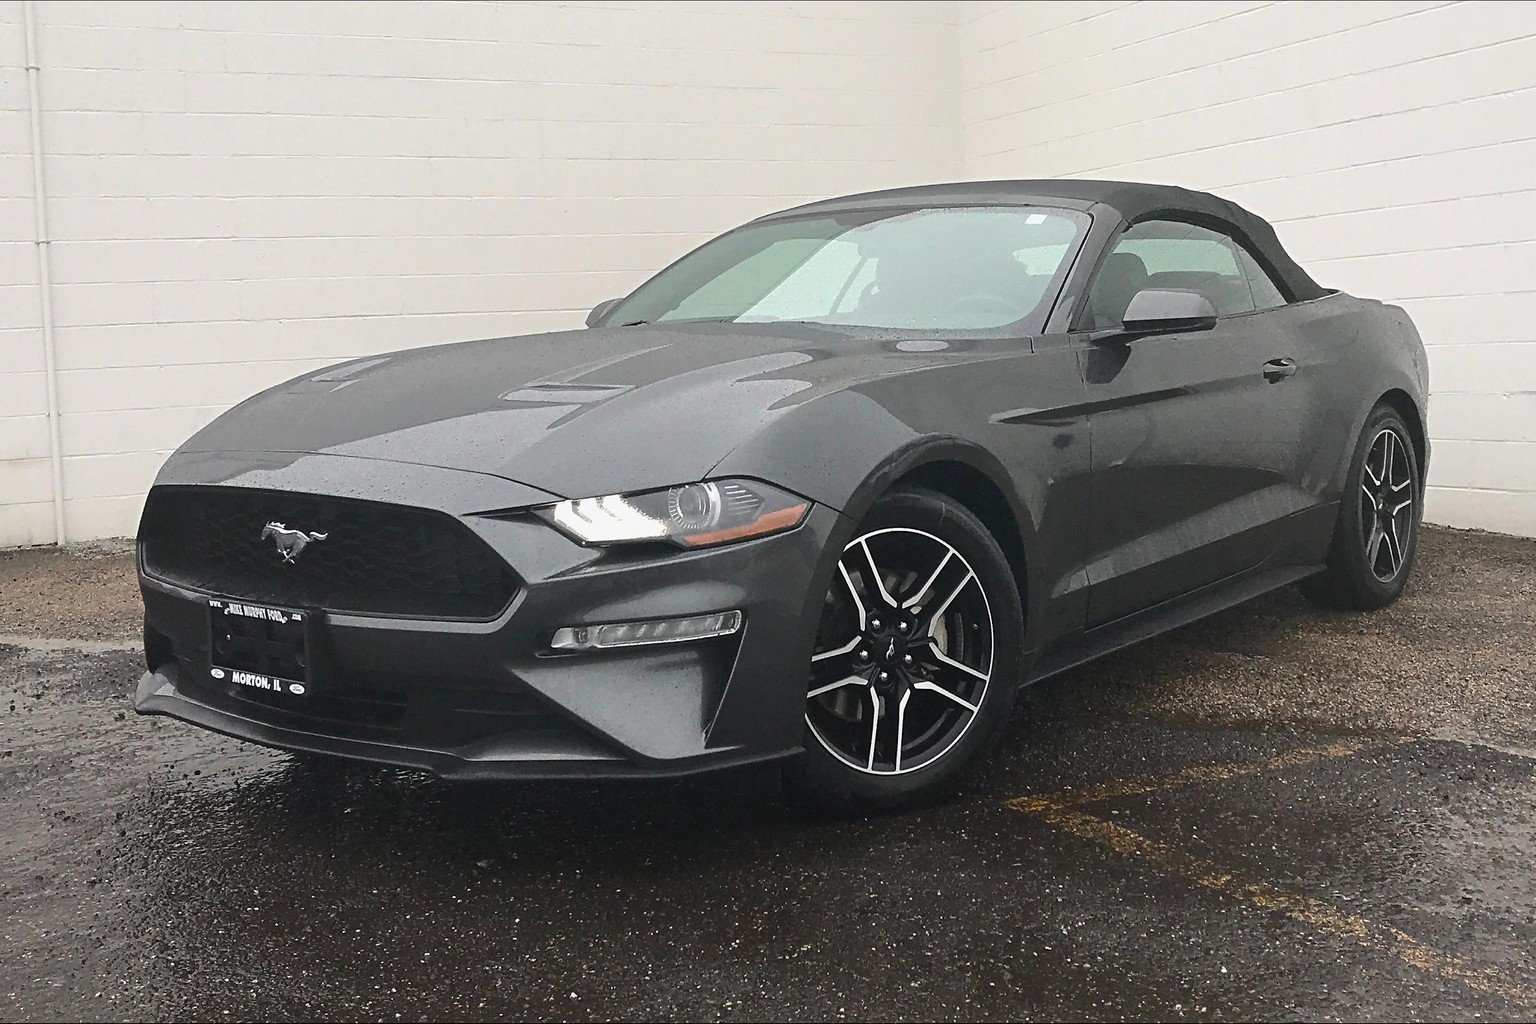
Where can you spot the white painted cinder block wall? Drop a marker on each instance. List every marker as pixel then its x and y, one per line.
pixel 26 485
pixel 240 192
pixel 1393 145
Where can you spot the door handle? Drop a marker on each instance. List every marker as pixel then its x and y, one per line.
pixel 1276 370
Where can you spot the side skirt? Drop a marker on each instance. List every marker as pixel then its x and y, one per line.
pixel 1158 619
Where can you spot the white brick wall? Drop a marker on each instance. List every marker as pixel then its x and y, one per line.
pixel 26 485
pixel 1393 145
pixel 239 192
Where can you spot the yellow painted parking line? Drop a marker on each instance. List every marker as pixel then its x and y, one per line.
pixel 1190 776
pixel 1306 909
pixel 1061 811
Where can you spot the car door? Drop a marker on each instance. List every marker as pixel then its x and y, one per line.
pixel 1194 435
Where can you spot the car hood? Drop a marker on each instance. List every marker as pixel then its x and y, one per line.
pixel 572 413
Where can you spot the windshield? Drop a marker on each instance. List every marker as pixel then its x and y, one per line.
pixel 935 269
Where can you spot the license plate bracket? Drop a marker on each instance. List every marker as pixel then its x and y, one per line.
pixel 263 648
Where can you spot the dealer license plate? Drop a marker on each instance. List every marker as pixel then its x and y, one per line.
pixel 260 646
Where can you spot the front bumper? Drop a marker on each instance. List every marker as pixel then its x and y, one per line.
pixel 479 700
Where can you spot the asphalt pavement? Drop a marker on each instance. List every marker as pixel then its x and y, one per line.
pixel 1278 813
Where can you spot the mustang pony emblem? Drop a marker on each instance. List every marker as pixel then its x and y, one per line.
pixel 290 542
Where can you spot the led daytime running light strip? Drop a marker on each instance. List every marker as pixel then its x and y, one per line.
pixel 653 631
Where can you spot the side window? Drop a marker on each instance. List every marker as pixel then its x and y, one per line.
pixel 1172 254
pixel 1266 295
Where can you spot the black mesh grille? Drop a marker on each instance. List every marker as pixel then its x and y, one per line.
pixel 381 706
pixel 366 709
pixel 375 559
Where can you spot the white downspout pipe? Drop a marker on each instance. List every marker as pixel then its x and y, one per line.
pixel 44 278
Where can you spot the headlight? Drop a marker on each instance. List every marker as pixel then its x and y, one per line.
pixel 692 515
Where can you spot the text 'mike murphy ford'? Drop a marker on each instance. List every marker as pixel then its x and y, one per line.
pixel 829 489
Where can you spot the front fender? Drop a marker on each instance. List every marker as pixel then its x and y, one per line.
pixel 873 450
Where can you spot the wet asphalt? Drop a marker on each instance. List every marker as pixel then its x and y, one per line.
pixel 1277 813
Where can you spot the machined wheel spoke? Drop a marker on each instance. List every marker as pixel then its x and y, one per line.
pixel 920 592
pixel 835 668
pixel 858 604
pixel 847 648
pixel 1373 542
pixel 1407 470
pixel 901 725
pixel 944 659
pixel 1374 477
pixel 1394 546
pixel 839 684
pixel 1383 540
pixel 862 578
pixel 874 574
pixel 1400 506
pixel 1386 460
pixel 936 688
pixel 874 725
pixel 951 585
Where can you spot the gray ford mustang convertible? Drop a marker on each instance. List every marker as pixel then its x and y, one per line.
pixel 829 489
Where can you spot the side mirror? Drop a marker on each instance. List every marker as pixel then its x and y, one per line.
pixel 601 310
pixel 1168 310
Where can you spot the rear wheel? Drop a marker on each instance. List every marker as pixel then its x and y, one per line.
pixel 1376 535
pixel 916 660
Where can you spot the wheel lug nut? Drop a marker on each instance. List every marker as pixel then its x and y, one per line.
pixel 906 659
pixel 884 676
pixel 874 623
pixel 863 655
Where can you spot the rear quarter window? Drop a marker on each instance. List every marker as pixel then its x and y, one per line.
pixel 1175 254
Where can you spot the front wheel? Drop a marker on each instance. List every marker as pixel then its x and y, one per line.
pixel 1377 532
pixel 917 657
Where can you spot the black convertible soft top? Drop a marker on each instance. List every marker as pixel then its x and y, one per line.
pixel 1133 201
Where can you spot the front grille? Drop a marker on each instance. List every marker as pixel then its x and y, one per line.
pixel 367 709
pixel 376 559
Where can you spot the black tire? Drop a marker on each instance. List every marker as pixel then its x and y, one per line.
pixel 918 708
pixel 1372 552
